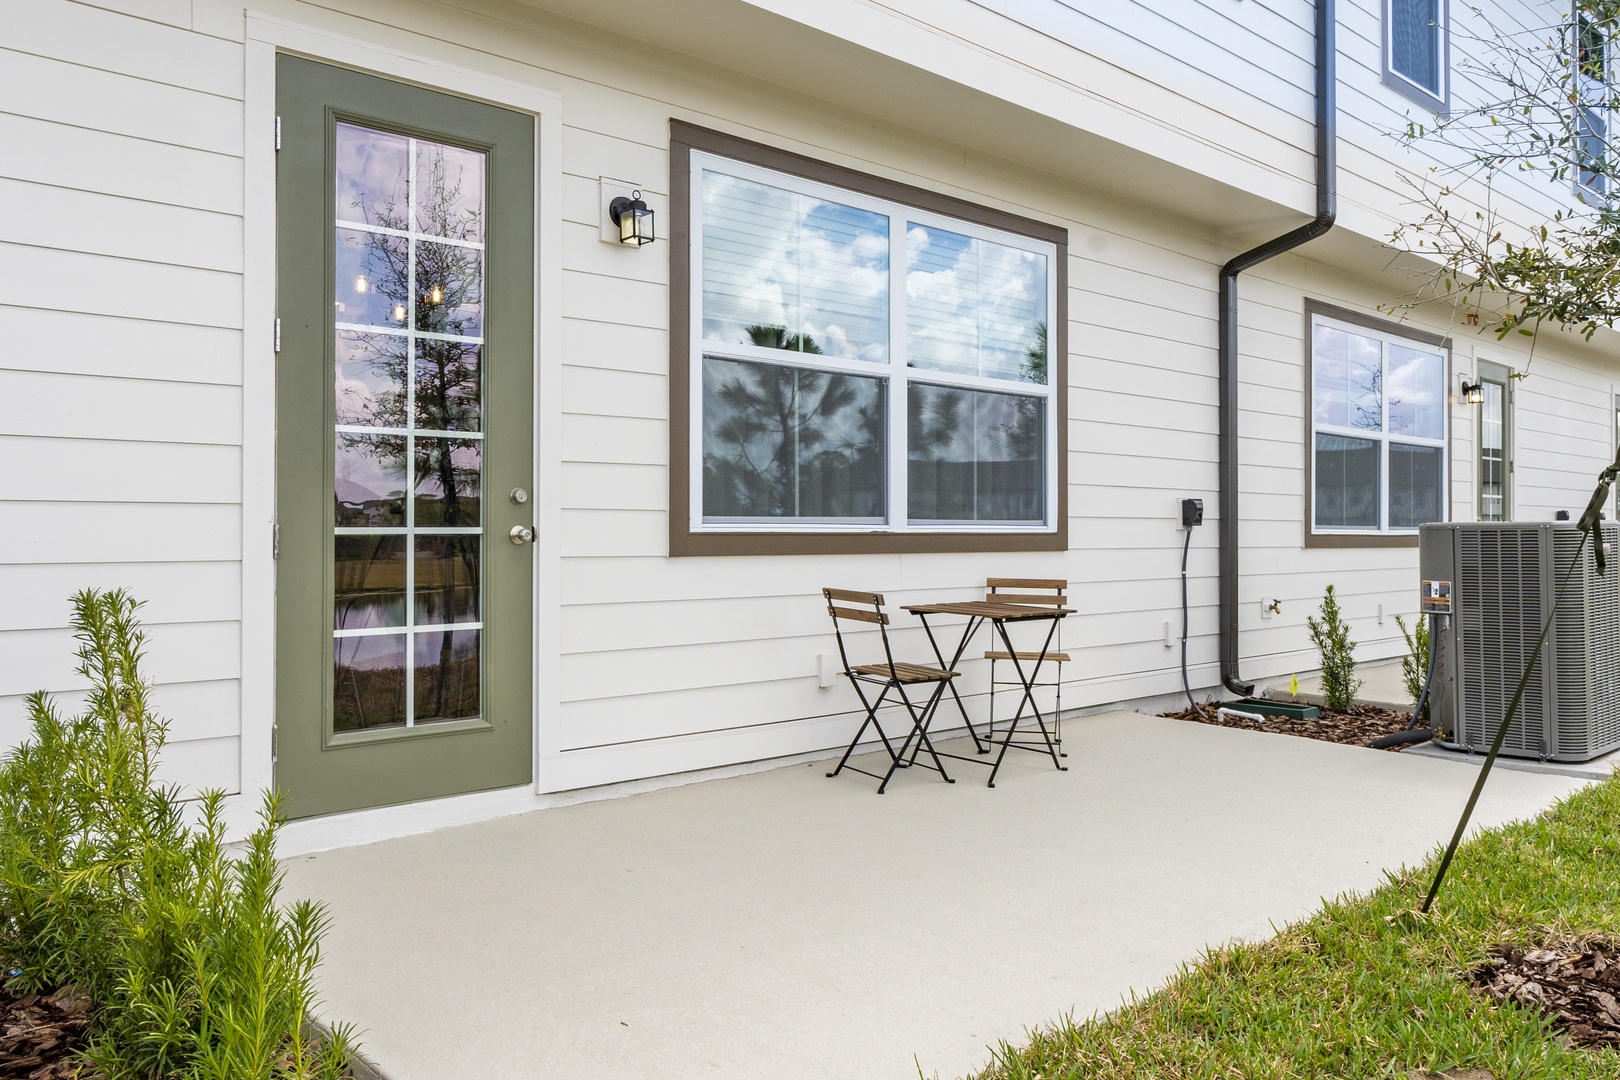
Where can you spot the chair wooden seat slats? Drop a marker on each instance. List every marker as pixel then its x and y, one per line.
pixel 904 672
pixel 1033 592
pixel 845 605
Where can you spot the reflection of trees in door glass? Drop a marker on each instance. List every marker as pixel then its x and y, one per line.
pixel 417 373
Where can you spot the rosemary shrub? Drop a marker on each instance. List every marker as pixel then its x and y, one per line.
pixel 192 967
pixel 1331 636
pixel 1415 664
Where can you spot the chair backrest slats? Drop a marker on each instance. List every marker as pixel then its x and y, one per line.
pixel 875 599
pixel 1026 583
pixel 839 612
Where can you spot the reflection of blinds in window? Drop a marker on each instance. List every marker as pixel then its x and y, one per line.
pixel 787 270
pixel 1414 38
pixel 974 307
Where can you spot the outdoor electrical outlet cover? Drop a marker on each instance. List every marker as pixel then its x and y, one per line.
pixel 826 670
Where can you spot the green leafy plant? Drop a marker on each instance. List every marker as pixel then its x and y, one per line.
pixel 1331 636
pixel 1415 664
pixel 192 967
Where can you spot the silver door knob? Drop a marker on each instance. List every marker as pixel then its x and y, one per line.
pixel 521 534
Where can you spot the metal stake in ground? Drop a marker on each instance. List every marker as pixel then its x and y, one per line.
pixel 1588 526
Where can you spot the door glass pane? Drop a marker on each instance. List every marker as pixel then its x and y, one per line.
pixel 1493 453
pixel 975 456
pixel 408 308
pixel 368 682
pixel 1346 482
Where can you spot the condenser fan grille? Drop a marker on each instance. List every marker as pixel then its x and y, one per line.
pixel 1499 605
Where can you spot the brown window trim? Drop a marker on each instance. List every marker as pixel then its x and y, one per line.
pixel 685 138
pixel 1382 326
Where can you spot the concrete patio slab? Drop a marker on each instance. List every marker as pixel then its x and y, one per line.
pixel 782 924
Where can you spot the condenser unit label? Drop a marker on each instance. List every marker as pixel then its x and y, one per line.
pixel 1437 597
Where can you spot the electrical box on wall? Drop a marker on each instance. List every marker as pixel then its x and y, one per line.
pixel 1192 512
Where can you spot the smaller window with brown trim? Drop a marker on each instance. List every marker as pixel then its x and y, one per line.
pixel 1378 428
pixel 858 364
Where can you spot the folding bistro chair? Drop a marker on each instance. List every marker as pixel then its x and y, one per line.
pixel 891 675
pixel 1036 592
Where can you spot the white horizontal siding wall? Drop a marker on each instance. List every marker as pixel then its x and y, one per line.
pixel 127 416
pixel 120 396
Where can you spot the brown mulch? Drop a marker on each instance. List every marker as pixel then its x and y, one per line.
pixel 1576 983
pixel 1358 727
pixel 40 1034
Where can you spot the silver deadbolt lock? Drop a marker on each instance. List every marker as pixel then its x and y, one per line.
pixel 521 534
pixel 519 496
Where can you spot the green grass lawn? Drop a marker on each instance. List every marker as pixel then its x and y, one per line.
pixel 1367 988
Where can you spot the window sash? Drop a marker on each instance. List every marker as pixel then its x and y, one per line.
pixel 1438 35
pixel 1381 437
pixel 897 375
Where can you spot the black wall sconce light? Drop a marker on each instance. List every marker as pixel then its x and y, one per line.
pixel 634 219
pixel 1472 392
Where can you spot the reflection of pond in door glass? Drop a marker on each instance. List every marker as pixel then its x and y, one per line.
pixel 408 308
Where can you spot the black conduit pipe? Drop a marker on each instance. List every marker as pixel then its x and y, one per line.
pixel 1327 203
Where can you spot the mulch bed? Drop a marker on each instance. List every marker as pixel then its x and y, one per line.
pixel 40 1034
pixel 1577 984
pixel 1358 727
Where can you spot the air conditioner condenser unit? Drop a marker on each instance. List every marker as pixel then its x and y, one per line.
pixel 1501 578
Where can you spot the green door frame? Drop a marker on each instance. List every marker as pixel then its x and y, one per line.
pixel 322 771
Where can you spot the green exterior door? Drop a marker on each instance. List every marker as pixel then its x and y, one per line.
pixel 404 427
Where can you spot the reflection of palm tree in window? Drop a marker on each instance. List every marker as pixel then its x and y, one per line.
pixel 801 419
pixel 1026 432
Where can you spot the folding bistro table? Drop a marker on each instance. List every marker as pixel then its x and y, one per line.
pixel 978 613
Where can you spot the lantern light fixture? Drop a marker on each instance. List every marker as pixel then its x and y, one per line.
pixel 634 219
pixel 1472 392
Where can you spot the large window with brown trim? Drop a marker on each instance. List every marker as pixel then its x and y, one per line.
pixel 859 365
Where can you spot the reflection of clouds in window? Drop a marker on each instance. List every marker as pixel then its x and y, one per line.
pixel 1416 393
pixel 1347 378
pixel 775 257
pixel 973 306
pixel 371 172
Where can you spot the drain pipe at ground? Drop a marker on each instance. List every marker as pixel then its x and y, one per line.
pixel 1327 201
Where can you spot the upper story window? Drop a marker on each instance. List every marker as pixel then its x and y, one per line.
pixel 1417 50
pixel 1591 60
pixel 859 366
pixel 1378 428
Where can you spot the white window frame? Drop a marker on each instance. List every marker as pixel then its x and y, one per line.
pixel 1382 437
pixel 897 375
pixel 1597 93
pixel 1439 98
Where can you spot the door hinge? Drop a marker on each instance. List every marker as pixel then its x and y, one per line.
pixel 278 334
pixel 275 540
pixel 275 743
pixel 278 133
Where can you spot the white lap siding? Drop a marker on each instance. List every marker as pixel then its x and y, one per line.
pixel 122 413
pixel 120 398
